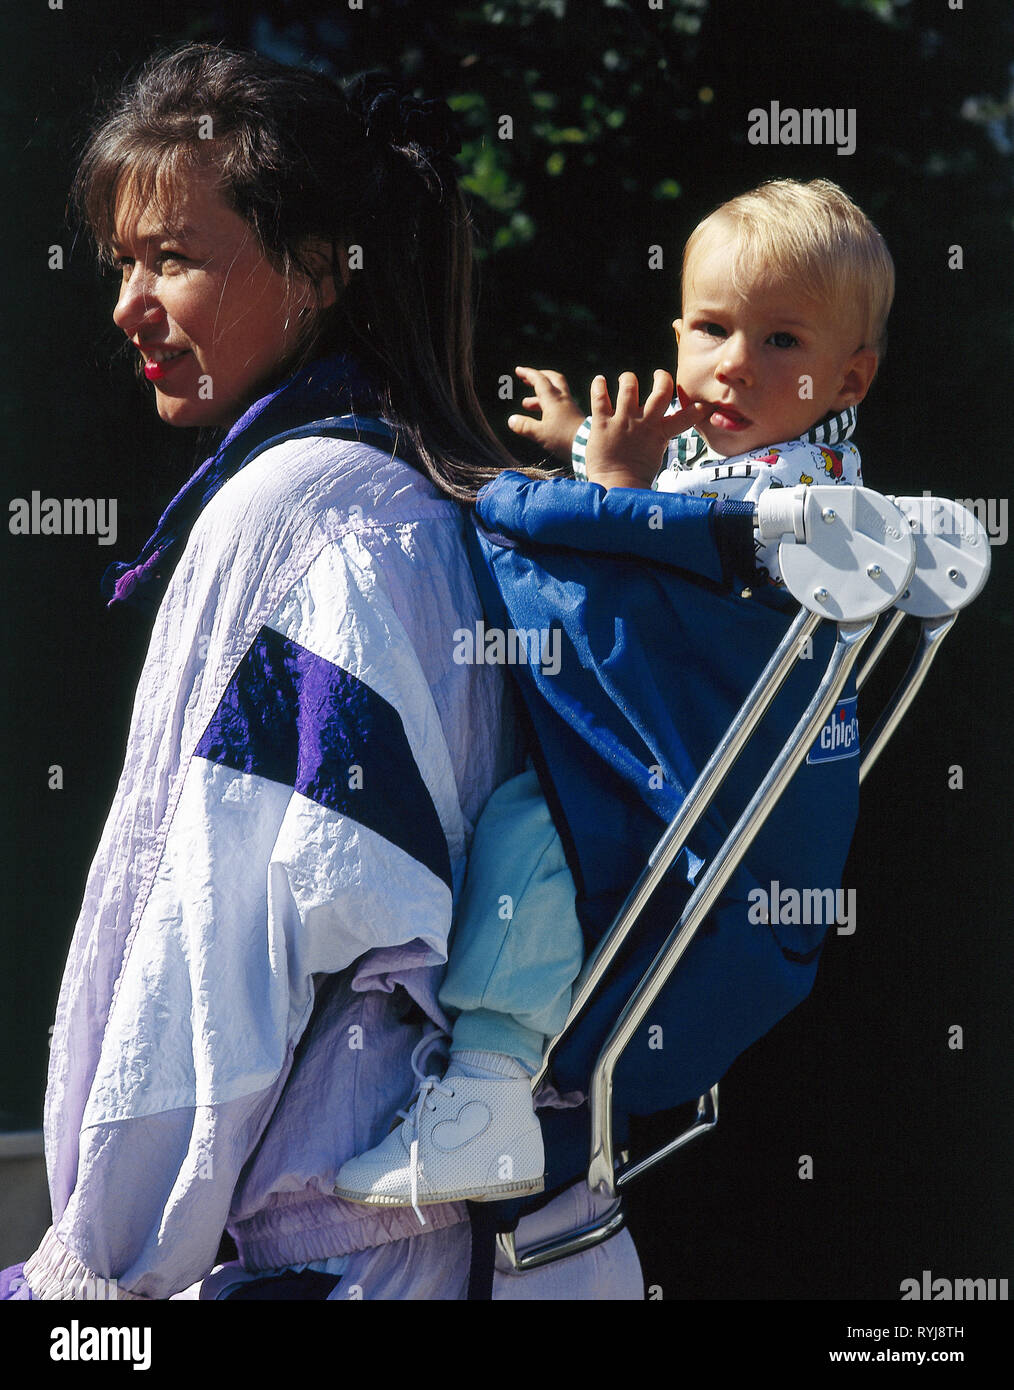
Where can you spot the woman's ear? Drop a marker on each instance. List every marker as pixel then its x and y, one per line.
pixel 343 265
pixel 320 255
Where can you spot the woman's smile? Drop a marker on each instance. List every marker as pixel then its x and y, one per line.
pixel 159 362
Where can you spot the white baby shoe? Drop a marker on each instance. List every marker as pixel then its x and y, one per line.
pixel 463 1138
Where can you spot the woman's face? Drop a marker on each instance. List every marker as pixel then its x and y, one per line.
pixel 212 318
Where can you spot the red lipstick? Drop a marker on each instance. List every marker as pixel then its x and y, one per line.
pixel 155 371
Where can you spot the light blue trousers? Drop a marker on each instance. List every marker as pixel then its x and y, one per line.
pixel 516 947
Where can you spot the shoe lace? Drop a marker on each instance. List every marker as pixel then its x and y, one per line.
pixel 421 1099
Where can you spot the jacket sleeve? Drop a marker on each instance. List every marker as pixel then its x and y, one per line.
pixel 318 806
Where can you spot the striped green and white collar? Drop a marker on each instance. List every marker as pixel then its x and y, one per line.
pixel 690 449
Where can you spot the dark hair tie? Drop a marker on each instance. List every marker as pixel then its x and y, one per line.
pixel 397 119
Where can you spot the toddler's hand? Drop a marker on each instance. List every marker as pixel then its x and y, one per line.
pixel 627 445
pixel 561 415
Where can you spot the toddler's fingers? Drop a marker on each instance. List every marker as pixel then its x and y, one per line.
pixel 661 393
pixel 626 394
pixel 526 425
pixel 544 383
pixel 557 379
pixel 685 418
pixel 535 380
pixel 601 405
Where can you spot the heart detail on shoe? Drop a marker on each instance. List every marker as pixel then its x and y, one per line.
pixel 470 1121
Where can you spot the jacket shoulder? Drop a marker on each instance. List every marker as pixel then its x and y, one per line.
pixel 317 476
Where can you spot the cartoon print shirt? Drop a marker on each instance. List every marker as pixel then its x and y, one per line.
pixel 824 454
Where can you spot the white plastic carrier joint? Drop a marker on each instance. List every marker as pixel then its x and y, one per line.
pixel 846 553
pixel 951 556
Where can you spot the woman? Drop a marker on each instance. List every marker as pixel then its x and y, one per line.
pixel 304 761
pixel 254 967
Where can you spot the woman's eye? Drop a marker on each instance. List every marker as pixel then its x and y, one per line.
pixel 121 264
pixel 783 340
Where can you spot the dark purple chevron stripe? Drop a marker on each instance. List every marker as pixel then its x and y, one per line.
pixel 292 717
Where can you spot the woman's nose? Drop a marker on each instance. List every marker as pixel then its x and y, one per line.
pixel 137 302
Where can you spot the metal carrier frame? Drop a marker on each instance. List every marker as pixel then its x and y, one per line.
pixel 848 555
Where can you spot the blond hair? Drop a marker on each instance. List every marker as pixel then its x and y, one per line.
pixel 813 235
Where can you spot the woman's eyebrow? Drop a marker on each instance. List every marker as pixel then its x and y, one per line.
pixel 184 232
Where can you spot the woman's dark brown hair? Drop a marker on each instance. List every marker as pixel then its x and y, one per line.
pixel 300 161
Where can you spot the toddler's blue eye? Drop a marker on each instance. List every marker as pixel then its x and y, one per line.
pixel 714 329
pixel 783 340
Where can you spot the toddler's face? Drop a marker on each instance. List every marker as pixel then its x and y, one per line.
pixel 770 364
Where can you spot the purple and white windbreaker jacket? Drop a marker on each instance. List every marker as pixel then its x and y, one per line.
pixel 303 769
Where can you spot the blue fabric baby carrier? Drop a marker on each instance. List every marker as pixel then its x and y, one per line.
pixel 656 651
pixel 699 749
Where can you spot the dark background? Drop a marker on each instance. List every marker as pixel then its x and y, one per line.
pixel 629 125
